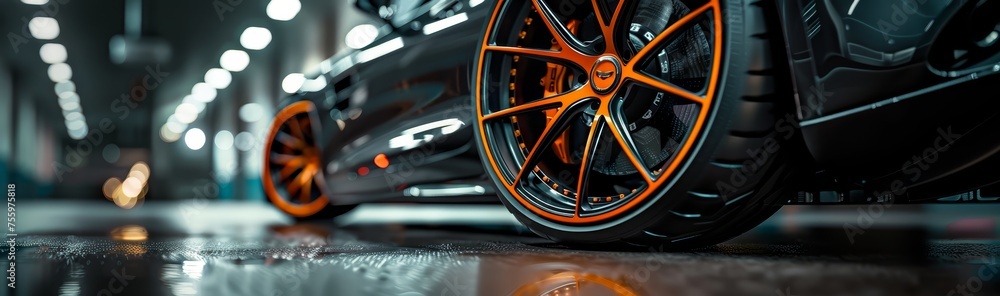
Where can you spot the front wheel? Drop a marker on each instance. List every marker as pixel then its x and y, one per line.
pixel 292 174
pixel 644 122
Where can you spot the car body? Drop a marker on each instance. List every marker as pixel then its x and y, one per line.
pixel 880 114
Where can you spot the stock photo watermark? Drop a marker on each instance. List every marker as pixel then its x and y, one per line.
pixel 44 15
pixel 785 128
pixel 902 11
pixel 913 168
pixel 222 7
pixel 118 283
pixel 11 235
pixel 123 106
pixel 207 191
pixel 988 270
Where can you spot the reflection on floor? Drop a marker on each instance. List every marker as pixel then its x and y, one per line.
pixel 248 249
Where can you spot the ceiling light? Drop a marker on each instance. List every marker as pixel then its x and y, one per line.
pixel 255 38
pixel 60 72
pixel 109 186
pixel 218 78
pixel 234 60
pixel 203 92
pixel 191 99
pixel 80 132
pixel 175 125
pixel 293 82
pixel 380 50
pixel 53 53
pixel 131 187
pixel 252 112
pixel 186 113
pixel 75 123
pixel 434 27
pixel 65 87
pixel 74 116
pixel 67 112
pixel 67 98
pixel 43 28
pixel 283 10
pixel 140 169
pixel 77 126
pixel 70 106
pixel 361 36
pixel 224 140
pixel 168 135
pixel 244 141
pixel 194 139
pixel 35 2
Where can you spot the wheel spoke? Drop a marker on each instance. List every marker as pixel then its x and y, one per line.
pixel 564 38
pixel 560 121
pixel 628 147
pixel 291 167
pixel 296 185
pixel 306 125
pixel 608 23
pixel 306 188
pixel 297 130
pixel 289 141
pixel 542 54
pixel 282 159
pixel 596 129
pixel 556 101
pixel 673 28
pixel 657 84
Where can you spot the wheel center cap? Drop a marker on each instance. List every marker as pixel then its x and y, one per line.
pixel 605 74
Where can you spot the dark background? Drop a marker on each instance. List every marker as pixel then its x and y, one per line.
pixel 36 151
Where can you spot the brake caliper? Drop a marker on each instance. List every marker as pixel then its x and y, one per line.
pixel 554 83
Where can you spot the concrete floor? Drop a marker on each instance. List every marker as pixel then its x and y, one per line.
pixel 81 248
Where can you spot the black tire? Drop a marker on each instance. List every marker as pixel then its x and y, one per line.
pixel 328 212
pixel 719 190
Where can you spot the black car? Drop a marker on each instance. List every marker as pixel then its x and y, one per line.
pixel 681 123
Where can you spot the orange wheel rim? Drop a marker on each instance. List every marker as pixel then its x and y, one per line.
pixel 292 174
pixel 610 72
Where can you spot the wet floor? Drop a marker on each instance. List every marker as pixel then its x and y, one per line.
pixel 247 249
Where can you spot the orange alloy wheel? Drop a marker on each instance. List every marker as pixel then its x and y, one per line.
pixel 621 76
pixel 292 173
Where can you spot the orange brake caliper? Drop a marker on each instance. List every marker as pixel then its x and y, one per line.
pixel 554 83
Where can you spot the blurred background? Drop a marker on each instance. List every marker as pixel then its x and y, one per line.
pixel 168 100
pixel 90 88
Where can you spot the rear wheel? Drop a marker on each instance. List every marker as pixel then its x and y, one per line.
pixel 292 174
pixel 646 122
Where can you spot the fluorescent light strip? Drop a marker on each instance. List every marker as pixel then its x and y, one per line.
pixel 429 214
pixel 853 6
pixel 445 23
pixel 380 50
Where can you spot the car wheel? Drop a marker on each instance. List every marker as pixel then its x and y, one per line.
pixel 642 122
pixel 292 174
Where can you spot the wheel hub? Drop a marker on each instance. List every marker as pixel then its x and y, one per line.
pixel 605 74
